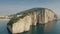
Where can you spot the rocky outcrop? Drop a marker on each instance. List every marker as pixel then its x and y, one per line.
pixel 23 21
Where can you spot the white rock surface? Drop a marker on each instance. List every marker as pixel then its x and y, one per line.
pixel 22 25
pixel 18 27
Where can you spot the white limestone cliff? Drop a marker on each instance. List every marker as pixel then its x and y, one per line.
pixel 41 16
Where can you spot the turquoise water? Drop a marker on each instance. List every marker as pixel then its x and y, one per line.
pixel 49 28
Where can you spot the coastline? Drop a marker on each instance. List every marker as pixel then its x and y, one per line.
pixel 5 19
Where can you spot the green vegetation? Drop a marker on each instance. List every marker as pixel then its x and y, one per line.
pixel 24 13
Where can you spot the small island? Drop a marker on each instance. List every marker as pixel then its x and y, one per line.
pixel 22 21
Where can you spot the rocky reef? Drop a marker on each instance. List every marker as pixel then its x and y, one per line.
pixel 24 20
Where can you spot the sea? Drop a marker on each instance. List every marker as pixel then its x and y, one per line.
pixel 48 28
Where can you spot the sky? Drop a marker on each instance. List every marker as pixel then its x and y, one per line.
pixel 8 7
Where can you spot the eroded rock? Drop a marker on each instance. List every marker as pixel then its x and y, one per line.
pixel 24 20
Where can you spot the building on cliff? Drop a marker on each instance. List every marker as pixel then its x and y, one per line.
pixel 22 21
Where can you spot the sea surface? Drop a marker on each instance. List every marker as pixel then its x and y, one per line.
pixel 48 28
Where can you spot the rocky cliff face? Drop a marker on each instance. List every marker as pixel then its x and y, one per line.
pixel 24 20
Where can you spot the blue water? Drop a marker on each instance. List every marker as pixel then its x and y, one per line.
pixel 3 29
pixel 49 28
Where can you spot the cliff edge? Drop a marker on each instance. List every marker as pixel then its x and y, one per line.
pixel 22 21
